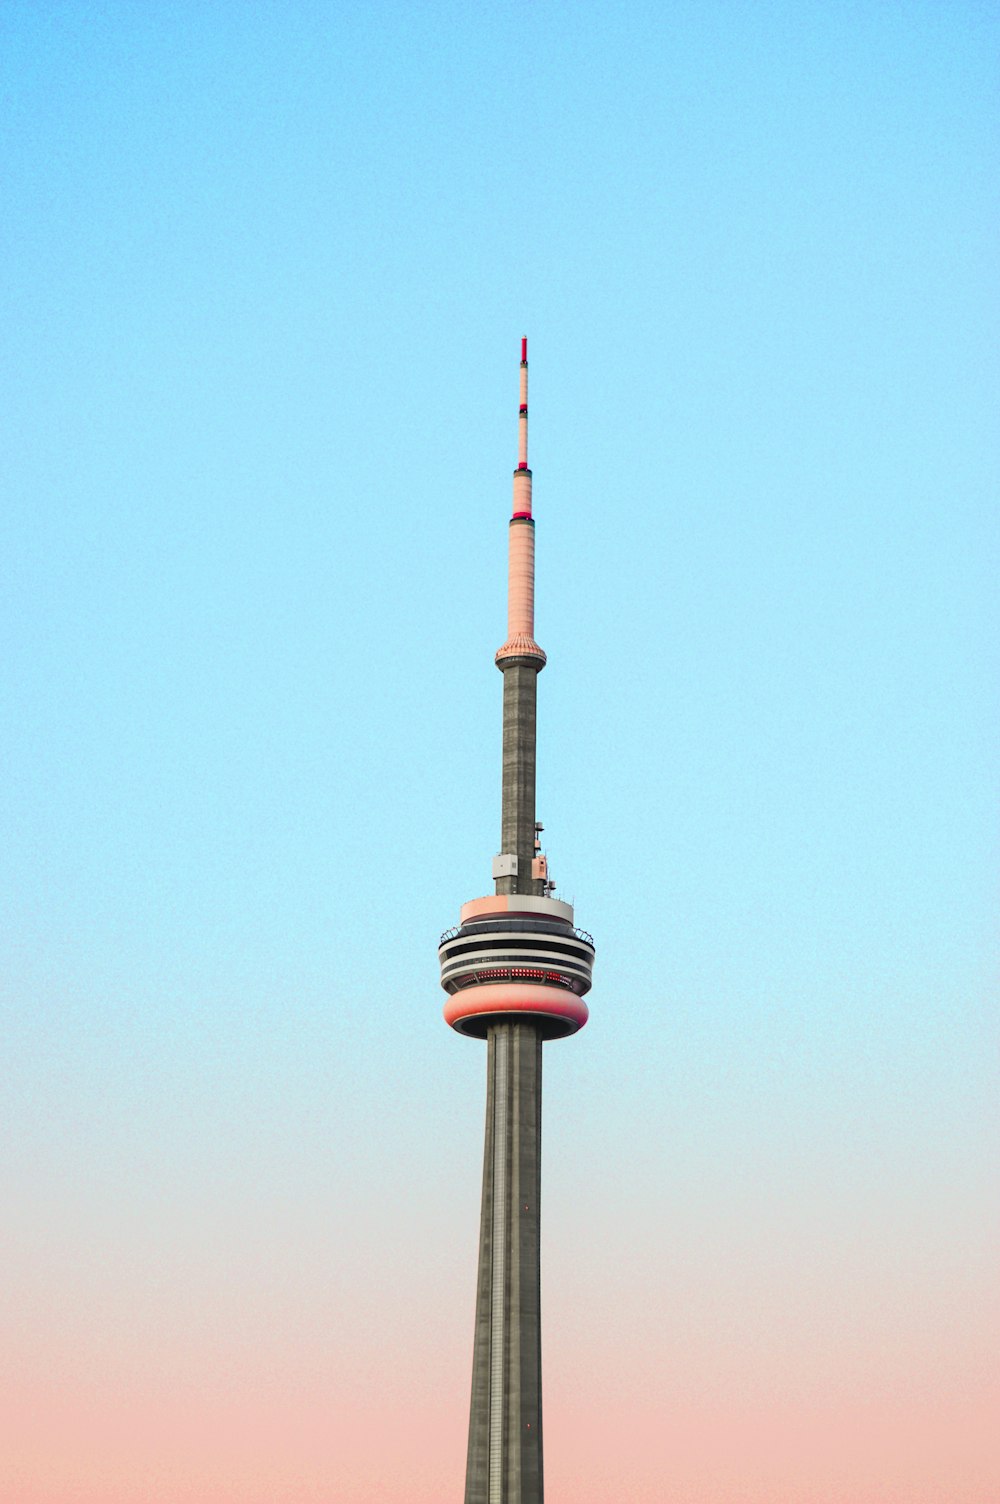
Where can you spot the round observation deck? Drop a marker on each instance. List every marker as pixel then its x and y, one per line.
pixel 512 956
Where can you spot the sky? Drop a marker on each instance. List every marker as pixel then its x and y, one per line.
pixel 265 271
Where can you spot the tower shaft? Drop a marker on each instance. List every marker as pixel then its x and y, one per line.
pixel 505 1424
pixel 516 970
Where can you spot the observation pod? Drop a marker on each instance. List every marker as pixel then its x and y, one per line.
pixel 516 956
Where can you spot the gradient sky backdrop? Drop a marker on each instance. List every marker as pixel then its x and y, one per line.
pixel 265 272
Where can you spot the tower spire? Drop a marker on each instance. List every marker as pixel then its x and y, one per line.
pixel 520 660
pixel 521 549
pixel 522 426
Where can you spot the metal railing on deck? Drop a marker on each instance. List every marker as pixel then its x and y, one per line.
pixel 513 926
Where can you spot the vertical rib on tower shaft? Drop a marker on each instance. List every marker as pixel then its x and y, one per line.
pixel 505 1424
pixel 520 660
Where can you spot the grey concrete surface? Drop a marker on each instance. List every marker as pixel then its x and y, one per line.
pixel 517 823
pixel 505 1423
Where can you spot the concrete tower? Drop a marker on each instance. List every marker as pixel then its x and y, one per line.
pixel 515 971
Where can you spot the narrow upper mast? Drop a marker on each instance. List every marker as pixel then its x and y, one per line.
pixel 522 425
pixel 521 548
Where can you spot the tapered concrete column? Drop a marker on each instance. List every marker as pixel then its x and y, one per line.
pixel 505 1423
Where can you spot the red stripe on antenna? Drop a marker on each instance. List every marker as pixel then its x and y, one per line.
pixel 524 349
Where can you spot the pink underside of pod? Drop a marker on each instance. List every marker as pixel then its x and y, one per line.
pixel 514 997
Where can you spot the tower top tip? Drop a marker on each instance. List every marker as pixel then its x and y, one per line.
pixel 524 350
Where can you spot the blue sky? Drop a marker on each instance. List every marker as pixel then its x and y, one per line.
pixel 265 272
